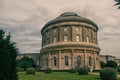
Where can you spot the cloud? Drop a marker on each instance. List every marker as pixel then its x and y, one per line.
pixel 25 18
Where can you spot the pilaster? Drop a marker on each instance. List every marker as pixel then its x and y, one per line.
pixel 72 59
pixel 85 61
pixel 59 59
pixel 94 60
pixel 49 58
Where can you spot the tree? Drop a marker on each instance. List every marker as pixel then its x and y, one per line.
pixel 25 63
pixel 8 53
pixel 118 3
pixel 111 64
pixel 28 59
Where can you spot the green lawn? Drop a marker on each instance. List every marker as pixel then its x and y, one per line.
pixel 57 76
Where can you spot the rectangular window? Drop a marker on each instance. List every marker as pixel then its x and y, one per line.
pixel 66 61
pixel 77 38
pixel 55 40
pixel 65 38
pixel 88 39
pixel 65 29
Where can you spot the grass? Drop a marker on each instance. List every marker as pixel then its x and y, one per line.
pixel 57 76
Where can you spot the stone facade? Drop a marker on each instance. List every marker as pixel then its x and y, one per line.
pixel 106 58
pixel 69 41
pixel 36 57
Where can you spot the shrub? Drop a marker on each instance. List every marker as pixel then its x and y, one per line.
pixel 88 68
pixel 48 70
pixel 103 64
pixel 20 69
pixel 118 69
pixel 73 70
pixel 83 71
pixel 30 71
pixel 108 74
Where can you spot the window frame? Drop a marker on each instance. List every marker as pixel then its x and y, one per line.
pixel 77 37
pixel 65 38
pixel 66 61
pixel 55 61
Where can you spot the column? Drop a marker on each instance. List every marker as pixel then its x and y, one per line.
pixel 71 34
pixel 59 59
pixel 94 60
pixel 98 60
pixel 85 61
pixel 83 34
pixel 49 58
pixel 44 60
pixel 92 35
pixel 60 34
pixel 72 59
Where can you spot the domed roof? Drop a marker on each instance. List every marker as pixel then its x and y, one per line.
pixel 68 14
pixel 69 17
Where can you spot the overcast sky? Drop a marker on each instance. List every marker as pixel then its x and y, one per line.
pixel 25 18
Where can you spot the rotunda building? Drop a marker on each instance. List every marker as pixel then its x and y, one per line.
pixel 69 41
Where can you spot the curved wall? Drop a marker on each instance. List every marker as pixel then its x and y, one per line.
pixel 69 44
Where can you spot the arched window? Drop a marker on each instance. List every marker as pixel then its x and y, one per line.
pixel 65 38
pixel 55 39
pixel 77 38
pixel 90 61
pixel 55 60
pixel 46 62
pixel 66 61
pixel 78 60
pixel 87 39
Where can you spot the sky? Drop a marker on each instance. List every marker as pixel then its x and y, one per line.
pixel 24 19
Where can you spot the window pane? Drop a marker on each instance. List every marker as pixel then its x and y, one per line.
pixel 47 62
pixel 65 38
pixel 55 61
pixel 66 61
pixel 65 29
pixel 55 39
pixel 90 61
pixel 78 61
pixel 88 39
pixel 77 38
